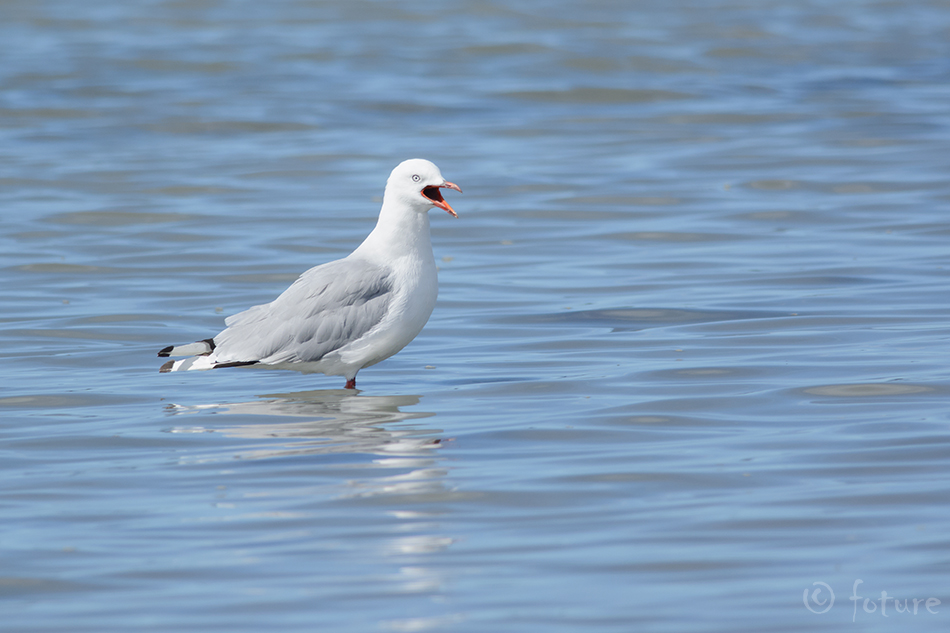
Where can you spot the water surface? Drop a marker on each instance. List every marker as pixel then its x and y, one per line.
pixel 689 360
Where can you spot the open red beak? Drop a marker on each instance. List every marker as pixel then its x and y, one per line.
pixel 435 196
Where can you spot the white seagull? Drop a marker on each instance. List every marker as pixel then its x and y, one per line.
pixel 348 314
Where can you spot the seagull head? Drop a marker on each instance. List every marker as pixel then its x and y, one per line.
pixel 418 183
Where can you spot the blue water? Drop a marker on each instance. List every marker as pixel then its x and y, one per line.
pixel 688 370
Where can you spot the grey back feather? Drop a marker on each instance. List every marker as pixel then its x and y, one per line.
pixel 326 308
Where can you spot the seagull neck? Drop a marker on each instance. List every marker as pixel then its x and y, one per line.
pixel 400 232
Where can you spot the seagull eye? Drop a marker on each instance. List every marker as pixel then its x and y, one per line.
pixel 416 178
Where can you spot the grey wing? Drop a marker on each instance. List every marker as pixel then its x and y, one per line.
pixel 326 308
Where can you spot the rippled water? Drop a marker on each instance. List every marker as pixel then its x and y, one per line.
pixel 688 369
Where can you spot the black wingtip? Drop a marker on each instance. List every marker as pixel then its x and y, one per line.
pixel 239 363
pixel 166 352
pixel 167 367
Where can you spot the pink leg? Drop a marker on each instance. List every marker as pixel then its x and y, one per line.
pixel 351 383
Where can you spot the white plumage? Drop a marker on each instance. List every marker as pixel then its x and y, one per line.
pixel 348 314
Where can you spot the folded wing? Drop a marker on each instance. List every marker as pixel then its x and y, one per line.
pixel 328 307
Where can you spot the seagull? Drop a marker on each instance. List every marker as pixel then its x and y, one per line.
pixel 342 316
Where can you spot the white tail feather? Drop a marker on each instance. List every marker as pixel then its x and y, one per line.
pixel 191 349
pixel 194 363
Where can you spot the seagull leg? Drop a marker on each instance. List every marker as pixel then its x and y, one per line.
pixel 351 383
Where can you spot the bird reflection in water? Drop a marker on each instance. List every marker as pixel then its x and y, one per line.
pixel 324 422
pixel 333 422
pixel 392 475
